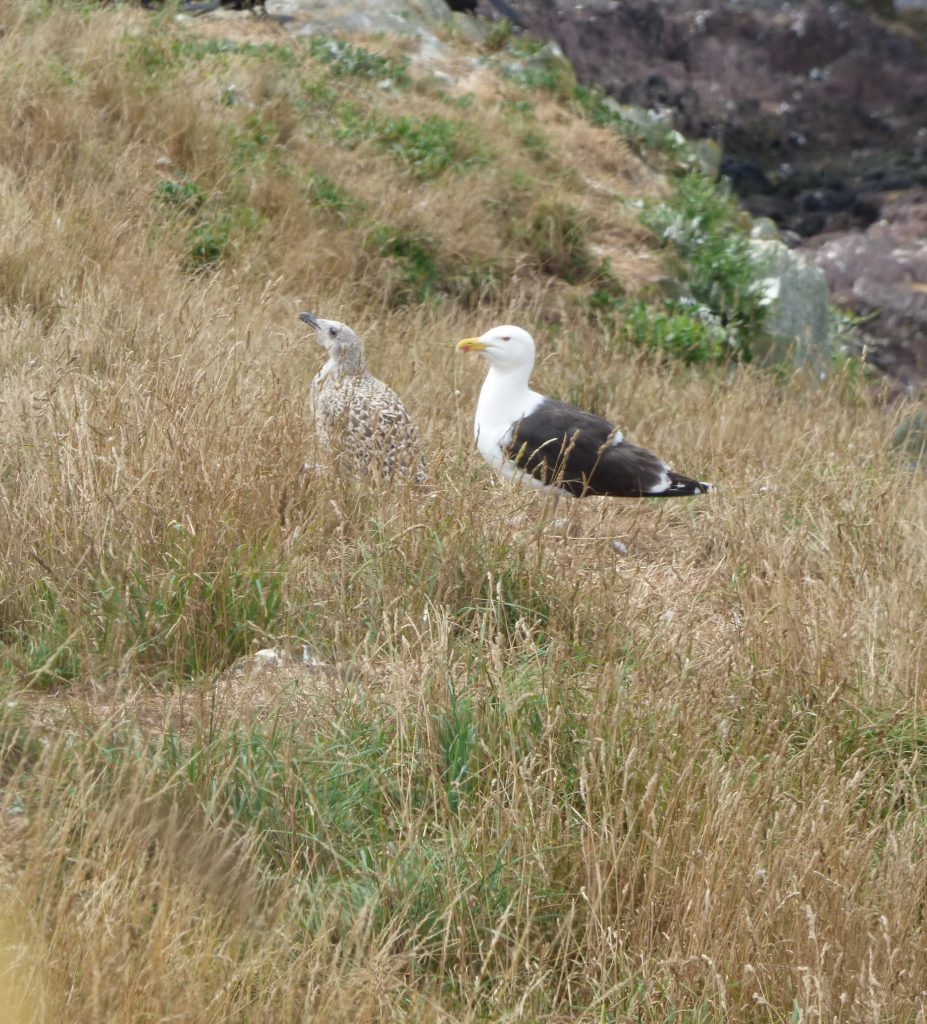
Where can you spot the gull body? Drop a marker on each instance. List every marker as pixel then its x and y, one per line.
pixel 553 446
pixel 359 421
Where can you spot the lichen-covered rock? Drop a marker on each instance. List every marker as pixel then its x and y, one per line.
pixel 362 17
pixel 796 328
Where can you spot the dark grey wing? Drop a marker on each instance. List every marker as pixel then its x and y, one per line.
pixel 566 447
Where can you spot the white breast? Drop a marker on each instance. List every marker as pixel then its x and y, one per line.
pixel 502 403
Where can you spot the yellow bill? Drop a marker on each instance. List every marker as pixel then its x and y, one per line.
pixel 471 345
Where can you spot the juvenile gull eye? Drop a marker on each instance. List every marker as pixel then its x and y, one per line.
pixel 332 332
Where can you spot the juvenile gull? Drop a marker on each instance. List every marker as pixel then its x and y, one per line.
pixel 359 421
pixel 553 446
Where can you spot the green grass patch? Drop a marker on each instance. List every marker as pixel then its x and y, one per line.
pixel 192 49
pixel 540 66
pixel 556 236
pixel 415 256
pixel 174 615
pixel 890 748
pixel 43 648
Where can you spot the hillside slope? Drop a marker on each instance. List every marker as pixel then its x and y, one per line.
pixel 516 777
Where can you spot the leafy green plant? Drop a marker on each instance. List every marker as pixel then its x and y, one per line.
pixel 541 66
pixel 702 224
pixel 344 58
pixel 182 193
pixel 647 133
pixel 416 257
pixel 327 194
pixel 209 241
pixel 192 48
pixel 428 147
pixel 249 144
pixel 682 330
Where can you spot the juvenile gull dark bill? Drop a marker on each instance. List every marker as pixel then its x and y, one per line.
pixel 359 421
pixel 551 445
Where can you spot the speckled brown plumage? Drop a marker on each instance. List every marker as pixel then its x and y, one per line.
pixel 359 421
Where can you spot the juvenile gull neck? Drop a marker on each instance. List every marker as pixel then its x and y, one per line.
pixel 346 362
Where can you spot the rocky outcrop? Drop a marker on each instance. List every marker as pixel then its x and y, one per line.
pixel 820 110
pixel 882 273
pixel 819 107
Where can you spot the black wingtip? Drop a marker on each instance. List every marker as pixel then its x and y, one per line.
pixel 682 487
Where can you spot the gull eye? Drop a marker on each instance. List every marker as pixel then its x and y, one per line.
pixel 333 332
pixel 507 337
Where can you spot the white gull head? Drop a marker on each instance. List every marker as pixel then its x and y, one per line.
pixel 507 349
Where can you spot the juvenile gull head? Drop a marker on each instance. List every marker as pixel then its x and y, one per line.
pixel 339 341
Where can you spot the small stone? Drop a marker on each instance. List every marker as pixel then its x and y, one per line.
pixel 620 547
pixel 268 656
pixel 764 228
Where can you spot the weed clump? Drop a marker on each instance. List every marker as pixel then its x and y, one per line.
pixel 702 225
pixel 556 235
pixel 328 195
pixel 344 58
pixel 427 147
pixel 416 258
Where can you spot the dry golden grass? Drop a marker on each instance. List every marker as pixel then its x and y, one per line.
pixel 551 783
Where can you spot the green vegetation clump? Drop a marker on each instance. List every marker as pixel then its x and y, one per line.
pixel 651 136
pixel 327 194
pixel 721 309
pixel 703 226
pixel 556 235
pixel 162 614
pixel 344 58
pixel 203 49
pixel 212 225
pixel 428 147
pixel 420 269
pixel 542 66
pixel 417 259
pixel 182 193
pixel 682 330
